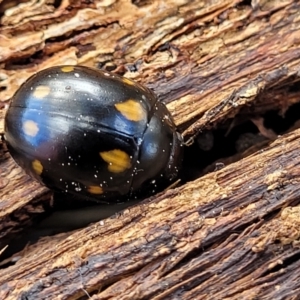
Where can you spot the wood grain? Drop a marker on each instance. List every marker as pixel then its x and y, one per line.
pixel 230 234
pixel 219 236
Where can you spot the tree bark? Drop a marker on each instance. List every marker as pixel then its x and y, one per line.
pixel 230 234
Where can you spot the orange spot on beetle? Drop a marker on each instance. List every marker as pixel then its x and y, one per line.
pixel 94 189
pixel 37 167
pixel 67 69
pixel 41 91
pixel 118 160
pixel 128 81
pixel 30 128
pixel 131 110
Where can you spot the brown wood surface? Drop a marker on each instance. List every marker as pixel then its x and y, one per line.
pixel 231 234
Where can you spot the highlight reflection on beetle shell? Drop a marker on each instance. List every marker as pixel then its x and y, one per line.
pixel 93 133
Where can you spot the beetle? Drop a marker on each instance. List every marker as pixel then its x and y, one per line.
pixel 92 133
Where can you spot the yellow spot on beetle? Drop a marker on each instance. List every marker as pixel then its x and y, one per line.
pixel 30 128
pixel 37 167
pixel 67 69
pixel 128 81
pixel 94 189
pixel 131 110
pixel 41 91
pixel 118 160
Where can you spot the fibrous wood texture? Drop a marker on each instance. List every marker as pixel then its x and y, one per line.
pixel 231 234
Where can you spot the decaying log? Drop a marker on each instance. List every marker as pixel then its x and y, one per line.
pixel 231 234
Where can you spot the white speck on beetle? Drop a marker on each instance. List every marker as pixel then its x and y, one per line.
pixel 76 75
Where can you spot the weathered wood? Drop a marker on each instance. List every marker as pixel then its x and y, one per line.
pixel 219 236
pixel 232 233
pixel 21 198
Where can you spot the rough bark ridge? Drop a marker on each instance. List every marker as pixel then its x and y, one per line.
pixel 231 234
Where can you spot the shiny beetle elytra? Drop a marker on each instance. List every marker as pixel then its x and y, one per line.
pixel 89 132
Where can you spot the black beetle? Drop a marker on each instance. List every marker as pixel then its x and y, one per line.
pixel 93 133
